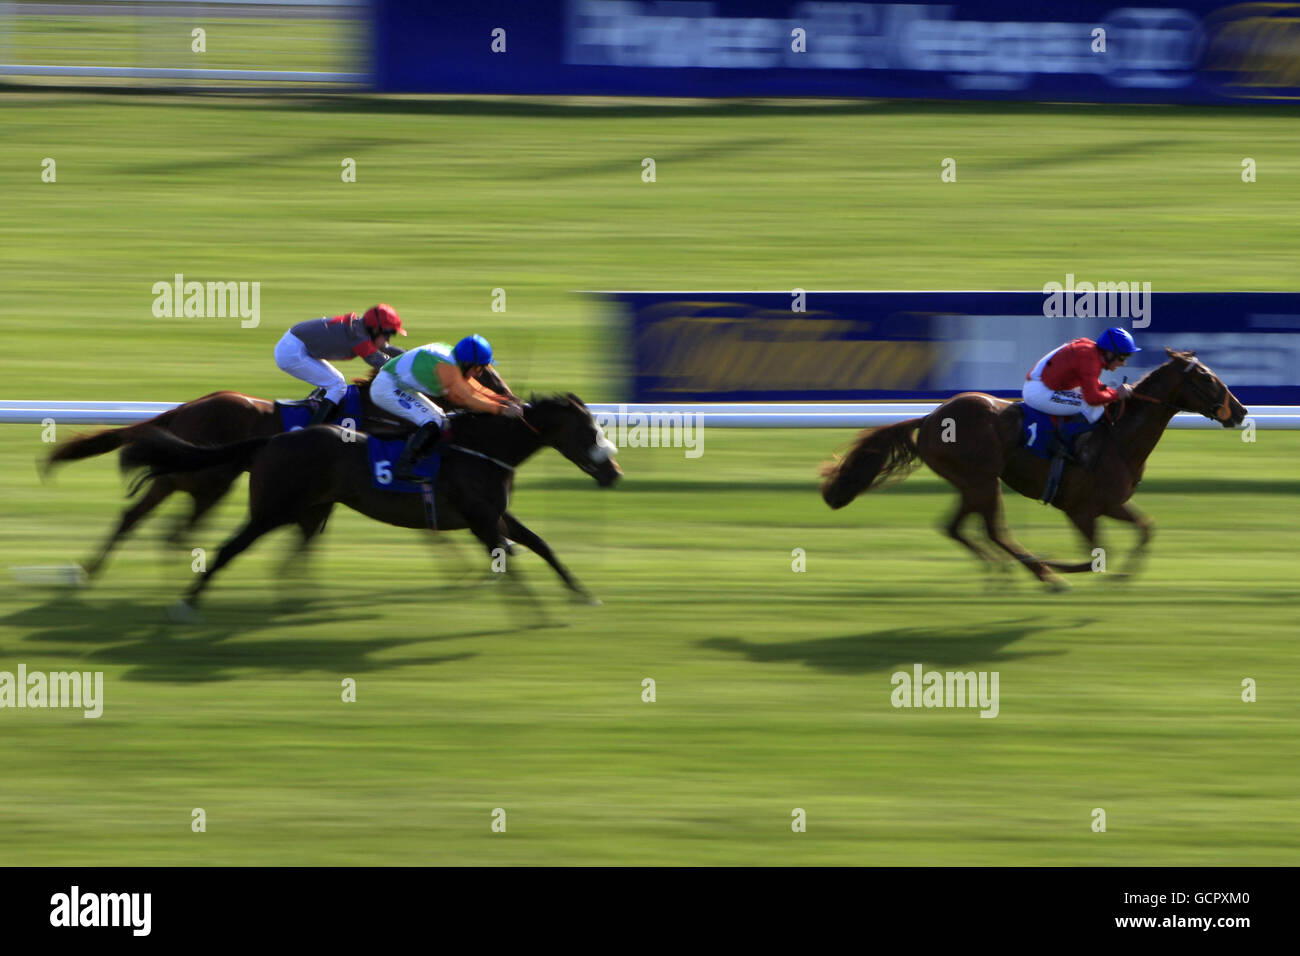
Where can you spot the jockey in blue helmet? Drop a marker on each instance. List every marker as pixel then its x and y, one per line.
pixel 1064 382
pixel 407 385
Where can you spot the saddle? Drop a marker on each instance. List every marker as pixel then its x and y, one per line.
pixel 296 413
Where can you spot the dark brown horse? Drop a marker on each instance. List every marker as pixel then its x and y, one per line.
pixel 215 419
pixel 973 440
pixel 296 478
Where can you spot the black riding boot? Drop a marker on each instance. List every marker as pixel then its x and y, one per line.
pixel 418 444
pixel 323 412
pixel 1059 450
pixel 1087 447
pixel 1057 446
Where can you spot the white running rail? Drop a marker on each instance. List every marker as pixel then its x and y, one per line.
pixel 716 415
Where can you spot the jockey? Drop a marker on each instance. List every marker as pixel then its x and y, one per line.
pixel 406 385
pixel 305 349
pixel 1064 382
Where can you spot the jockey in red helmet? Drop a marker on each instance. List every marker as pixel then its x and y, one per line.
pixel 307 349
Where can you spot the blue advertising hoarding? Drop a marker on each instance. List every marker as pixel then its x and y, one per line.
pixel 847 346
pixel 1188 52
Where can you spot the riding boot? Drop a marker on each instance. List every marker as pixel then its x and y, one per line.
pixel 1059 450
pixel 1057 446
pixel 323 412
pixel 1088 450
pixel 418 444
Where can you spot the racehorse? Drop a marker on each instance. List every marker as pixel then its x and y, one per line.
pixel 297 477
pixel 215 419
pixel 973 440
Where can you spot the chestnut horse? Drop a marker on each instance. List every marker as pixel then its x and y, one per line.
pixel 973 440
pixel 215 419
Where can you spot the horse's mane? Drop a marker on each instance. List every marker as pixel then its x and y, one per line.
pixel 470 425
pixel 557 399
pixel 1184 356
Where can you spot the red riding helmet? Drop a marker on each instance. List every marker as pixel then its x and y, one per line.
pixel 384 318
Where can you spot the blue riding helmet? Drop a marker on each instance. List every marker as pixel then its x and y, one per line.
pixel 473 350
pixel 1117 340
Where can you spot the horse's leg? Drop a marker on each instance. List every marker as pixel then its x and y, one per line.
pixel 485 521
pixel 158 491
pixel 310 523
pixel 1124 511
pixel 953 530
pixel 1086 522
pixel 512 527
pixel 487 528
pixel 206 494
pixel 242 539
pixel 987 502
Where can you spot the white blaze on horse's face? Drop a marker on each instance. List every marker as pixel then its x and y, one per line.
pixel 604 449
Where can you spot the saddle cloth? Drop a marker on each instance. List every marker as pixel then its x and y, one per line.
pixel 1036 431
pixel 297 413
pixel 383 459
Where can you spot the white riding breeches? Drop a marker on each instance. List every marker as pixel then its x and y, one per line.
pixel 291 355
pixel 1064 403
pixel 408 405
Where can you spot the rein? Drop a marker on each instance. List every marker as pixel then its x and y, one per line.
pixel 478 454
pixel 496 461
pixel 1223 404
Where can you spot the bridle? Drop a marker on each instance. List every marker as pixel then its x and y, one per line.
pixel 590 469
pixel 1221 414
pixel 501 464
pixel 496 461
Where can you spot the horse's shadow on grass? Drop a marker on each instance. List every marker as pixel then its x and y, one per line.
pixel 132 634
pixel 894 648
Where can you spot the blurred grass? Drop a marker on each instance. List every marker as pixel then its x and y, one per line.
pixel 146 38
pixel 773 687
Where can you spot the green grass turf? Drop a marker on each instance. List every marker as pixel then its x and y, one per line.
pixel 145 40
pixel 773 687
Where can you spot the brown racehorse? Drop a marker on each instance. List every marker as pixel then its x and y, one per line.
pixel 215 419
pixel 296 478
pixel 973 440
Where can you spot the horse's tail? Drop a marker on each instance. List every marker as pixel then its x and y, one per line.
pixel 162 453
pixel 879 455
pixel 102 442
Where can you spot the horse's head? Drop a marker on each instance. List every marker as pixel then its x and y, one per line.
pixel 566 424
pixel 1197 389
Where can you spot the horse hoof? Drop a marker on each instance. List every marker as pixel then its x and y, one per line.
pixel 182 612
pixel 1058 585
pixel 588 599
